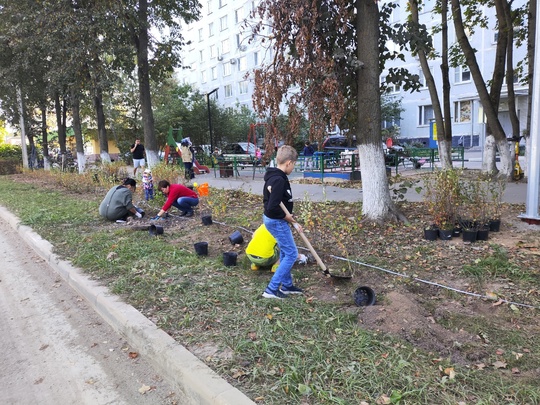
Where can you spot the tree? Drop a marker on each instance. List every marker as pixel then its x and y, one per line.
pixel 327 61
pixel 423 49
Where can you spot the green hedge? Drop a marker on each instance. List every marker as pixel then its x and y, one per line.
pixel 11 151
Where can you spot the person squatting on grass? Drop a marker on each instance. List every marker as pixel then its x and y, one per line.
pixel 118 203
pixel 277 189
pixel 178 196
pixel 263 250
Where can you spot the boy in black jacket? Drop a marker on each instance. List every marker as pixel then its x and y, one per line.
pixel 277 189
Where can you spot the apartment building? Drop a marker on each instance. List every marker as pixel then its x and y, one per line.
pixel 221 56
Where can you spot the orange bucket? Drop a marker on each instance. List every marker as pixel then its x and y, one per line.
pixel 203 190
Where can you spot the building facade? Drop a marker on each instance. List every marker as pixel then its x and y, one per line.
pixel 221 55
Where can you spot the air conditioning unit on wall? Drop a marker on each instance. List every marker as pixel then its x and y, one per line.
pixel 233 61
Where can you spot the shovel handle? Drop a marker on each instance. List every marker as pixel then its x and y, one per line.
pixel 306 241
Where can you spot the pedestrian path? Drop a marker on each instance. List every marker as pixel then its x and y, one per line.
pixel 515 193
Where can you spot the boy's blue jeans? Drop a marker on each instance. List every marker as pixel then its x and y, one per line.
pixel 281 231
pixel 186 204
pixel 149 194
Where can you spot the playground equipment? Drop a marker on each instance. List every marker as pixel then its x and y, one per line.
pixel 518 171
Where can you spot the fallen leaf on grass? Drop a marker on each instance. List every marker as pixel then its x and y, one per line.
pixel 515 370
pixel 450 372
pixel 499 364
pixel 499 352
pixel 133 355
pixel 480 366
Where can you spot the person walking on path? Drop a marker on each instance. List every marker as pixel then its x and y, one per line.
pixel 178 196
pixel 118 203
pixel 277 189
pixel 137 150
pixel 308 153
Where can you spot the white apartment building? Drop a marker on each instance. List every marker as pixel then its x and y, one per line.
pixel 221 56
pixel 467 113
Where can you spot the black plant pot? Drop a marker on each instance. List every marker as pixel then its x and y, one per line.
pixel 483 234
pixel 229 258
pixel 495 225
pixel 445 234
pixel 431 234
pixel 201 248
pixel 456 232
pixel 469 235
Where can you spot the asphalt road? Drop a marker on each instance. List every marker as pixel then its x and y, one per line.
pixel 55 349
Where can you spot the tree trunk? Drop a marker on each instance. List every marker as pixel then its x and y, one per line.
pixel 75 111
pixel 377 204
pixel 531 30
pixel 490 110
pixel 20 106
pixel 141 42
pixel 488 161
pixel 442 136
pixel 45 138
pixel 102 131
pixel 59 124
pixel 446 155
pixel 512 109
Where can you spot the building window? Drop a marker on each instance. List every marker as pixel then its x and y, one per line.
pixel 239 15
pixel 242 63
pixel 228 90
pixel 425 115
pixel 226 69
pixel 203 76
pixel 209 7
pixel 201 56
pixel 255 58
pixel 462 74
pixel 243 87
pixel 214 73
pixel 213 52
pixel 211 29
pixel 223 23
pixel 222 3
pixel 462 111
pixel 200 34
pixel 225 47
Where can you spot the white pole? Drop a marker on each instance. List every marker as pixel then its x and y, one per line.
pixel 533 165
pixel 23 131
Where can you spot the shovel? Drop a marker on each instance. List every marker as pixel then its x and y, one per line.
pixel 313 252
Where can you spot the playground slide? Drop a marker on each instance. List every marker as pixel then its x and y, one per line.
pixel 199 169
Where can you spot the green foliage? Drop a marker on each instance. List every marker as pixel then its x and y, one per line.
pixel 10 151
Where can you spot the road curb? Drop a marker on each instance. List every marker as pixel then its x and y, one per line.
pixel 195 382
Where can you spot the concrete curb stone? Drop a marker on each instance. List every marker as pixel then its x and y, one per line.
pixel 195 382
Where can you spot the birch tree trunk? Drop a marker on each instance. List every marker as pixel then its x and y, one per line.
pixel 75 111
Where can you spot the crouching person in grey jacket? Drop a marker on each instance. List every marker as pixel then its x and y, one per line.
pixel 118 205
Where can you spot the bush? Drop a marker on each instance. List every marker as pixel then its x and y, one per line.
pixel 11 151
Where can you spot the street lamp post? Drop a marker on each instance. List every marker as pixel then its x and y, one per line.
pixel 210 119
